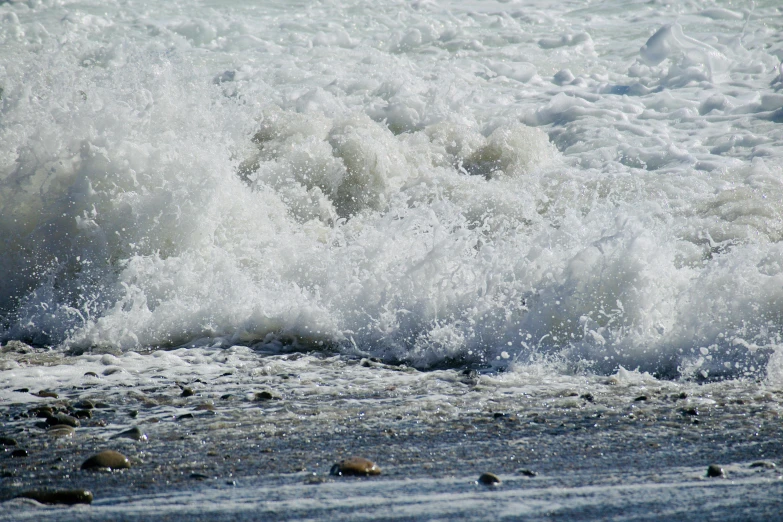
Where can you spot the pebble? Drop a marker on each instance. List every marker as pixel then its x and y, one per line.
pixel 83 414
pixel 134 433
pixel 528 473
pixel 356 466
pixel 265 396
pixel 61 418
pixel 107 459
pixel 7 441
pixel 187 392
pixel 588 397
pixel 92 374
pixel 205 407
pixel 715 471
pixel 61 430
pixel 47 393
pixel 489 479
pixel 690 411
pixel 43 411
pixel 640 398
pixel 19 453
pixel 84 404
pixel 67 496
pixel 763 464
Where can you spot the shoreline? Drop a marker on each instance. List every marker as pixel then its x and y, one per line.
pixel 261 440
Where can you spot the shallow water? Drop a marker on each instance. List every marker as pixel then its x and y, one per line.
pixel 554 195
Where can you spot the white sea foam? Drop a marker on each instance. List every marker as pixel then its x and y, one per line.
pixel 432 182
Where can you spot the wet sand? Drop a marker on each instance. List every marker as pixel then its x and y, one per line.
pixel 626 447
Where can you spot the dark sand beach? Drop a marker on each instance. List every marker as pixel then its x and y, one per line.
pixel 626 447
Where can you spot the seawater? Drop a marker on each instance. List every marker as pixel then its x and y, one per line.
pixel 494 184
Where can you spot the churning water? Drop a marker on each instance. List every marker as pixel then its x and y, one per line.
pixel 434 182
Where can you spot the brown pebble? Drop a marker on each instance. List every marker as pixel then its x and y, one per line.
pixel 67 496
pixel 265 396
pixel 7 441
pixel 83 414
pixel 715 471
pixel 489 479
pixel 42 411
pixel 62 418
pixel 84 404
pixel 60 430
pixel 187 392
pixel 205 407
pixel 47 393
pixel 134 433
pixel 356 466
pixel 107 459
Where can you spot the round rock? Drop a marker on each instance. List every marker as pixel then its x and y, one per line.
pixel 356 466
pixel 107 459
pixel 134 433
pixel 66 496
pixel 61 418
pixel 489 479
pixel 715 471
pixel 60 430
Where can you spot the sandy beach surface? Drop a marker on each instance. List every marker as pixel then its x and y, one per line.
pixel 258 443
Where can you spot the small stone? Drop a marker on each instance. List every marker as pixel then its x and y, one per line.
pixel 715 471
pixel 112 371
pixel 134 433
pixel 22 390
pixel 107 459
pixel 225 397
pixel 7 441
pixel 690 411
pixel 205 407
pixel 588 397
pixel 102 405
pixel 528 473
pixel 187 392
pixel 83 414
pixel 640 398
pixel 67 496
pixel 61 418
pixel 92 374
pixel 265 396
pixel 133 414
pixel 61 430
pixel 198 476
pixel 356 466
pixel 43 411
pixel 19 453
pixel 47 393
pixel 186 416
pixel 84 404
pixel 489 479
pixel 763 464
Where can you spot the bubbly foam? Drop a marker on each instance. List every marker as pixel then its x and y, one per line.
pixel 425 182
